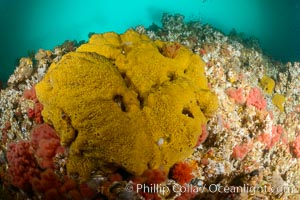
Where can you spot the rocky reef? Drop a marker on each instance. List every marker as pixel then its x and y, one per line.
pixel 181 111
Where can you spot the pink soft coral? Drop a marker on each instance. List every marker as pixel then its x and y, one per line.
pixel 34 113
pixel 26 157
pixel 276 134
pixel 46 143
pixel 203 135
pixel 154 176
pixel 236 94
pixel 271 139
pixel 240 151
pixel 7 126
pixel 256 99
pixel 22 166
pixel 188 192
pixel 182 172
pixel 30 94
pixel 296 146
pixel 51 187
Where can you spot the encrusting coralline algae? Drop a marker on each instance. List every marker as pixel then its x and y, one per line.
pixel 249 148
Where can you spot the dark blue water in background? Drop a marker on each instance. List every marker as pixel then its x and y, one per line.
pixel 32 24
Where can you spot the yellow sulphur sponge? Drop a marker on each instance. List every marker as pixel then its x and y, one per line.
pixel 267 84
pixel 126 101
pixel 278 100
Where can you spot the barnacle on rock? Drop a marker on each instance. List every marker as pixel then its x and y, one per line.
pixel 22 72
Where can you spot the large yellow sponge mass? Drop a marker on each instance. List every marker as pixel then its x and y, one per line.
pixel 126 101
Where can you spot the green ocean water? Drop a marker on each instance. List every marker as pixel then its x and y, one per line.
pixel 33 24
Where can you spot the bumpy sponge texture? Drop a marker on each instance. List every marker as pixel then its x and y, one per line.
pixel 119 101
pixel 267 84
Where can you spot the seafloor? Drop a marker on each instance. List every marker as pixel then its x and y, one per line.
pixel 252 150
